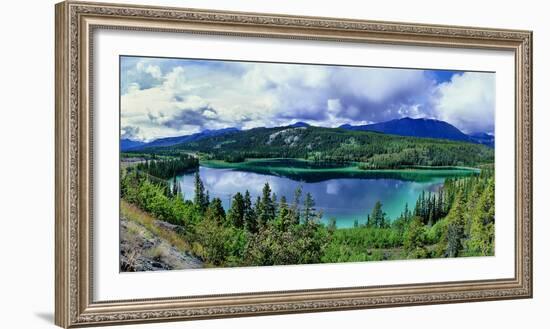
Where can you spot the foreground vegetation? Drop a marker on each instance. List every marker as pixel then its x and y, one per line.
pixel 456 221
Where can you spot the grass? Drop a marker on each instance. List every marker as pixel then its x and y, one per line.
pixel 134 214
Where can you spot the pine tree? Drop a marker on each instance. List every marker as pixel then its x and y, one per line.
pixel 250 220
pixel 215 211
pixel 309 209
pixel 175 187
pixel 431 209
pixel 283 216
pixel 482 229
pixel 235 214
pixel 440 211
pixel 267 208
pixel 423 207
pixel 378 217
pixel 406 213
pixel 200 199
pixel 415 235
pixel 455 227
pixel 417 211
pixel 295 210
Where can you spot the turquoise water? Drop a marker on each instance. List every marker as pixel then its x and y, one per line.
pixel 345 196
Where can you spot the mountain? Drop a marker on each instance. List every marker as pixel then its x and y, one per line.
pixel 483 138
pixel 128 144
pixel 427 128
pixel 169 141
pixel 373 149
pixel 299 124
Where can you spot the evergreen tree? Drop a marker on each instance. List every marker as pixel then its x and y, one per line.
pixel 215 211
pixel 284 219
pixel 440 211
pixel 423 207
pixel 482 230
pixel 415 236
pixel 417 209
pixel 309 209
pixel 258 210
pixel 250 219
pixel 267 208
pixel 295 210
pixel 378 216
pixel 235 214
pixel 200 199
pixel 274 200
pixel 207 199
pixel 175 187
pixel 406 213
pixel 455 227
pixel 431 209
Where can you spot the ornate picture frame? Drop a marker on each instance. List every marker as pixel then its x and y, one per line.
pixel 76 22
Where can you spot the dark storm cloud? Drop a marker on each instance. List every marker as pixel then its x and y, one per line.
pixel 303 114
pixel 374 103
pixel 188 117
pixel 129 132
pixel 358 98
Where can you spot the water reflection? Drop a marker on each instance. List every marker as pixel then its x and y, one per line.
pixel 346 199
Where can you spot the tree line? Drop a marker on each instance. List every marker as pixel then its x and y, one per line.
pixel 169 167
pixel 372 150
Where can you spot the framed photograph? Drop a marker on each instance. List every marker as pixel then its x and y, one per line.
pixel 217 164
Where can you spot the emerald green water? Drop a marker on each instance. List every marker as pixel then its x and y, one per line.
pixel 340 191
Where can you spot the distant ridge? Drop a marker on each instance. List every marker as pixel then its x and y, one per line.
pixel 484 138
pixel 426 128
pixel 423 128
pixel 128 145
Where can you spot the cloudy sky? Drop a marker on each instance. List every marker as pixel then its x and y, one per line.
pixel 163 97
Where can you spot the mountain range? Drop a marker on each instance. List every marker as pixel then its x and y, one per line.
pixel 426 128
pixel 422 128
pixel 373 149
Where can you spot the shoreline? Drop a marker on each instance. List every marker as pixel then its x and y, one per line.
pixel 352 168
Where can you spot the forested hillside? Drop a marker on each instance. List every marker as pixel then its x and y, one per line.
pixel 371 149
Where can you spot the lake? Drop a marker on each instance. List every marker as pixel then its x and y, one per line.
pixel 344 193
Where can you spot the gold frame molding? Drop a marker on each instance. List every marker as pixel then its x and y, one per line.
pixel 75 23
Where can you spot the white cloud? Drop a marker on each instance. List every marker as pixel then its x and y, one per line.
pixel 166 97
pixel 153 70
pixel 468 101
